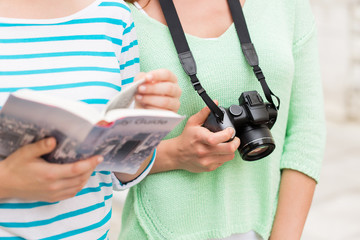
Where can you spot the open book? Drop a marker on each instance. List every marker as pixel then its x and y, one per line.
pixel 124 137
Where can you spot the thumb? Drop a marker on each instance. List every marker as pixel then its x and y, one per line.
pixel 139 76
pixel 38 148
pixel 200 117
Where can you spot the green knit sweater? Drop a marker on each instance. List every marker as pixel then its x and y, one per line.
pixel 239 196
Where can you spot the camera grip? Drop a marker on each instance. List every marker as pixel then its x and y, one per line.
pixel 214 125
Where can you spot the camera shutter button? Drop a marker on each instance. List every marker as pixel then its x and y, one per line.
pixel 235 110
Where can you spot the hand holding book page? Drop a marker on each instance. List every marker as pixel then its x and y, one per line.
pixel 124 137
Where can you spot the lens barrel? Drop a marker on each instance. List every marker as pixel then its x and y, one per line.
pixel 256 142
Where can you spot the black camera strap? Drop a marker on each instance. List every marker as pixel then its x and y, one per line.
pixel 186 58
pixel 188 62
pixel 248 48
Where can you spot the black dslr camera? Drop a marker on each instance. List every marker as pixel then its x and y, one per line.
pixel 252 120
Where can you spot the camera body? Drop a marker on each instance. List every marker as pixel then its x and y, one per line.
pixel 252 120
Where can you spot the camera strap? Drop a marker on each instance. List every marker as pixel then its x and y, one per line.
pixel 186 58
pixel 188 62
pixel 248 48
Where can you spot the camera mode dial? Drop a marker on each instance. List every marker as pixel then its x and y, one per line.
pixel 235 110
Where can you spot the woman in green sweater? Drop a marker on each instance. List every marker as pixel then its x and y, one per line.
pixel 200 187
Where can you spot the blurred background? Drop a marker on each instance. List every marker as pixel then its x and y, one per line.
pixel 335 212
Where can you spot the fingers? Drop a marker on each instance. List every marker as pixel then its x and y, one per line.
pixel 61 195
pixel 35 179
pixel 199 118
pixel 213 157
pixel 160 75
pixel 228 147
pixel 160 88
pixel 78 168
pixel 210 163
pixel 222 148
pixel 223 136
pixel 55 171
pixel 66 180
pixel 65 188
pixel 160 91
pixel 159 102
pixel 37 149
pixel 139 76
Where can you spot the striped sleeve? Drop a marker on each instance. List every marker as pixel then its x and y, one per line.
pixel 119 186
pixel 129 56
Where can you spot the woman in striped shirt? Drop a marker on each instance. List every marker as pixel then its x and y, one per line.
pixel 84 50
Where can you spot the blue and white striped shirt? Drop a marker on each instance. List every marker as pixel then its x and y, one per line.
pixel 87 56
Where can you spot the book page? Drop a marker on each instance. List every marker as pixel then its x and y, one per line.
pixel 116 114
pixel 24 121
pixel 126 142
pixel 77 108
pixel 124 98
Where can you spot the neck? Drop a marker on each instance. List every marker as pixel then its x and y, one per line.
pixel 40 9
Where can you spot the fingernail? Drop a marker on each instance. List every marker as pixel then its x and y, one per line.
pixel 231 131
pixel 138 97
pixel 142 88
pixel 100 159
pixel 149 76
pixel 48 142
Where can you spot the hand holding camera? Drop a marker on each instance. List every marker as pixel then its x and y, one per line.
pixel 197 149
pixel 252 120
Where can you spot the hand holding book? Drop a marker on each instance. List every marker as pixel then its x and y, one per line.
pixel 159 91
pixel 124 137
pixel 25 175
pixel 41 180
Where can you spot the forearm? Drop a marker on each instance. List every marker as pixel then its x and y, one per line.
pixel 295 197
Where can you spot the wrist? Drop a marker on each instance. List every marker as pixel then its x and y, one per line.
pixel 125 177
pixel 4 179
pixel 165 157
pixel 124 181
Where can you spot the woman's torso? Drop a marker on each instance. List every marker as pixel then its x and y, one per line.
pixel 76 57
pixel 239 196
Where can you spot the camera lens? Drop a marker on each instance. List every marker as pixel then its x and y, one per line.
pixel 258 150
pixel 256 142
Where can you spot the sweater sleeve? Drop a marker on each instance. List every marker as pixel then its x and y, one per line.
pixel 305 134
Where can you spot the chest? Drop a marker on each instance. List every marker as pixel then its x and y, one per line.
pixel 74 62
pixel 221 66
pixel 204 18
